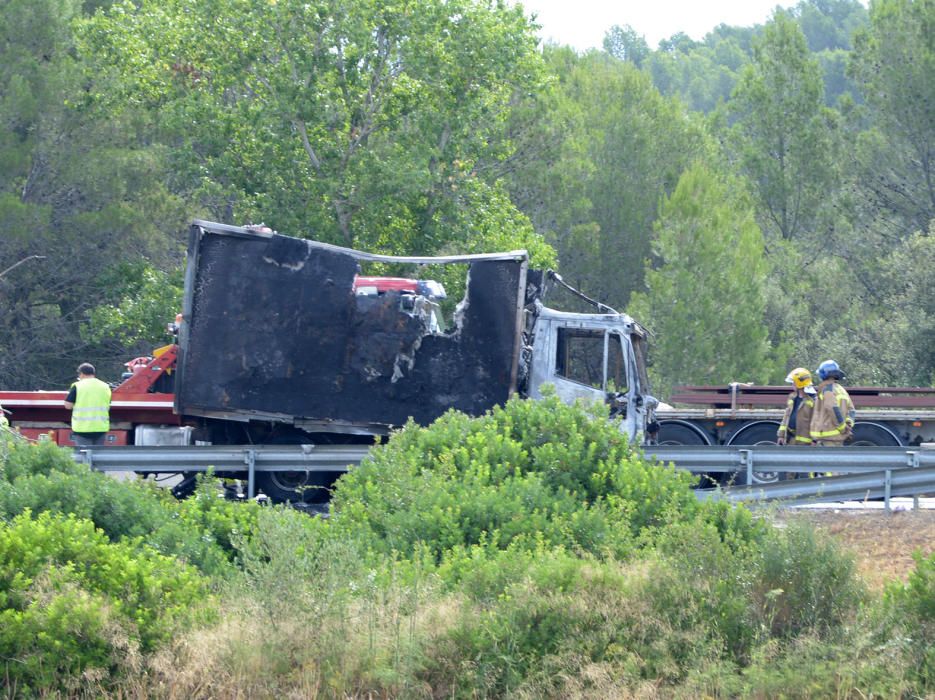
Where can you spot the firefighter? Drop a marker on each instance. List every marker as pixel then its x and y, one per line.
pixel 833 419
pixel 796 421
pixel 89 402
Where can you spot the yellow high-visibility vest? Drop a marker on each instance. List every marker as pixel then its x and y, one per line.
pixel 91 413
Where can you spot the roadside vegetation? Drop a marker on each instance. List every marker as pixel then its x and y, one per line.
pixel 530 553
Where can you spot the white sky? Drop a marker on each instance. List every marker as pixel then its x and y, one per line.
pixel 582 23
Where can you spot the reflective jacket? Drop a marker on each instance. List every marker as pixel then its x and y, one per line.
pixel 91 412
pixel 797 420
pixel 833 419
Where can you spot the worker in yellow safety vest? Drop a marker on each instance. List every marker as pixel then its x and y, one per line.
pixel 89 402
pixel 795 428
pixel 833 420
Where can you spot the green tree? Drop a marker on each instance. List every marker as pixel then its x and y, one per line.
pixel 705 297
pixel 623 147
pixel 829 24
pixel 701 74
pixel 893 62
pixel 373 125
pixel 783 136
pixel 626 44
pixel 78 188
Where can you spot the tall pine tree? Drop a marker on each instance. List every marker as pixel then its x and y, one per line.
pixel 705 297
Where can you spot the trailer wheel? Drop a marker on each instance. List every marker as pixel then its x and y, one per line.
pixel 295 487
pixel 873 435
pixel 679 433
pixel 759 433
pixel 673 433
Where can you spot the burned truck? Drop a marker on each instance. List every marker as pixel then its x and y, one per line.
pixel 283 340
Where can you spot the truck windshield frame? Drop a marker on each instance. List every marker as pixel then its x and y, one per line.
pixel 592 358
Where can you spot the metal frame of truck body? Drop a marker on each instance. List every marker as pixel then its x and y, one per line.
pixel 205 293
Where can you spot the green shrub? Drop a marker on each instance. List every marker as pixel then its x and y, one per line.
pixel 27 458
pixel 804 583
pixel 41 477
pixel 911 608
pixel 529 472
pixel 70 600
pixel 756 583
pixel 565 622
pixel 808 667
pixel 711 577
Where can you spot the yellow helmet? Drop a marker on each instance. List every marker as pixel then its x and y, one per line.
pixel 800 377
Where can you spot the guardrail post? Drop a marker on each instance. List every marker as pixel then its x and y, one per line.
pixel 746 457
pixel 250 459
pixel 913 458
pixel 887 485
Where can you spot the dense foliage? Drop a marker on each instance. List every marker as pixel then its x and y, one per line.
pixel 578 484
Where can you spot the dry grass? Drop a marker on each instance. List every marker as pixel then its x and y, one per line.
pixel 882 543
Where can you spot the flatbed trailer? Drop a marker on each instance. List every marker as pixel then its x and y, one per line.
pixel 743 414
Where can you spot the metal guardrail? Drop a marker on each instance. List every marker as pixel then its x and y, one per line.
pixel 863 472
pixel 801 460
pixel 223 459
pixel 199 458
pixel 872 472
pixel 851 487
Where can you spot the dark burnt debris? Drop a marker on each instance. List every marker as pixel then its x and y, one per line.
pixel 276 328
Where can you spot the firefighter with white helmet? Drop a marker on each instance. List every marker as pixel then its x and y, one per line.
pixel 795 428
pixel 833 420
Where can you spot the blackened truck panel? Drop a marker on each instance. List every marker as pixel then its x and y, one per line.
pixel 275 329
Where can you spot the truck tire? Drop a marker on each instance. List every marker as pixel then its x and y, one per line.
pixel 873 435
pixel 678 433
pixel 295 487
pixel 759 433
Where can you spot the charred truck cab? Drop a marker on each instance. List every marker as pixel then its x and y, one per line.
pixel 283 340
pixel 595 357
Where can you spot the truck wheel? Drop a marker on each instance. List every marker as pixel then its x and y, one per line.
pixel 297 487
pixel 673 433
pixel 679 434
pixel 873 435
pixel 761 433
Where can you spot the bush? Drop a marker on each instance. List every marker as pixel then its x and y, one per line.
pixel 70 600
pixel 758 583
pixel 529 473
pixel 569 626
pixel 804 584
pixel 41 477
pixel 911 608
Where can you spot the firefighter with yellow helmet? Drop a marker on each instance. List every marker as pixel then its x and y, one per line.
pixel 795 428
